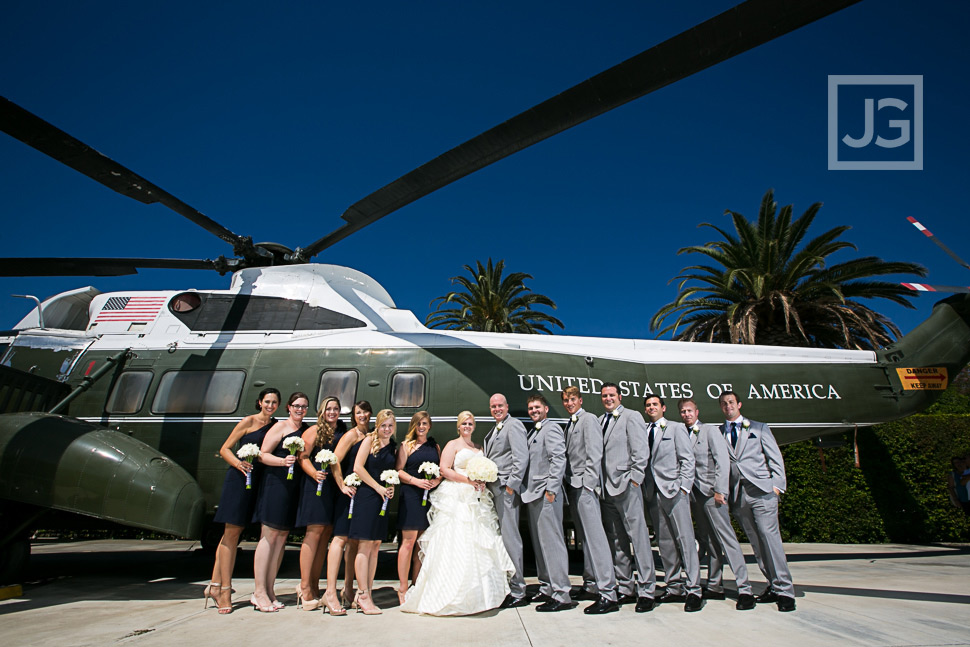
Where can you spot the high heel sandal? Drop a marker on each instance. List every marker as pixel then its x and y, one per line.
pixel 226 610
pixel 333 609
pixel 256 607
pixel 365 605
pixel 208 595
pixel 401 595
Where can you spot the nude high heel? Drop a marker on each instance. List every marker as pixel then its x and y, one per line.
pixel 256 607
pixel 226 610
pixel 333 608
pixel 208 594
pixel 365 605
pixel 307 604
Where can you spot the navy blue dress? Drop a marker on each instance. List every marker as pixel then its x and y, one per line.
pixel 411 515
pixel 313 509
pixel 341 524
pixel 277 499
pixel 367 524
pixel 236 503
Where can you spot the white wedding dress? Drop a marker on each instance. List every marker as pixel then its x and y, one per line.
pixel 465 568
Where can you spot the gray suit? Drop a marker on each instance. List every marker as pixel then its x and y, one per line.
pixel 667 491
pixel 625 457
pixel 584 470
pixel 508 449
pixel 756 468
pixel 547 466
pixel 714 530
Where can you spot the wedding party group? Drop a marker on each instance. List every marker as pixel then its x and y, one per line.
pixel 460 506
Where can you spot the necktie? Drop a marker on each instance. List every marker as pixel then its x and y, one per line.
pixel 606 422
pixel 653 426
pixel 734 435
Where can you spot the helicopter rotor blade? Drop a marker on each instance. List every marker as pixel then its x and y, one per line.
pixel 54 142
pixel 916 223
pixel 105 266
pixel 733 32
pixel 925 287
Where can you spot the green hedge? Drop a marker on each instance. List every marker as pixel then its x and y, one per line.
pixel 898 494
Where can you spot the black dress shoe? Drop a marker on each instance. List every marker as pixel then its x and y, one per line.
pixel 553 605
pixel 768 596
pixel 707 594
pixel 512 602
pixel 540 597
pixel 577 593
pixel 667 596
pixel 785 603
pixel 745 602
pixel 694 603
pixel 629 598
pixel 602 605
pixel 644 605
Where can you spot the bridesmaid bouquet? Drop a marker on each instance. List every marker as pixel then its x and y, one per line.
pixel 388 477
pixel 430 471
pixel 293 444
pixel 482 469
pixel 352 480
pixel 326 458
pixel 248 453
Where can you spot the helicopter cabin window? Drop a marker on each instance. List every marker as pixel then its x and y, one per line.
pixel 407 389
pixel 340 384
pixel 129 392
pixel 206 311
pixel 188 392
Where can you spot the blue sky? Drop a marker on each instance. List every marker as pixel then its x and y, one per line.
pixel 272 119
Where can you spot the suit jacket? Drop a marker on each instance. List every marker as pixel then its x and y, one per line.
pixel 547 462
pixel 671 459
pixel 757 458
pixel 584 452
pixel 625 451
pixel 507 448
pixel 712 460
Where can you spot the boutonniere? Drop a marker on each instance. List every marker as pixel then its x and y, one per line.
pixel 616 413
pixel 573 418
pixel 745 423
pixel 538 425
pixel 694 428
pixel 663 426
pixel 499 426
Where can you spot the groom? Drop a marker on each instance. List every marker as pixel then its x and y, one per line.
pixel 506 446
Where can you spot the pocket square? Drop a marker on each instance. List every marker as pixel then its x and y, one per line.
pixel 751 435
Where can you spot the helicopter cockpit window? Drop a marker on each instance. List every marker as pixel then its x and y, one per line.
pixel 211 392
pixel 407 389
pixel 340 384
pixel 185 302
pixel 129 392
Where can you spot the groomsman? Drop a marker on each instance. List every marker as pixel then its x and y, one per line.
pixel 757 479
pixel 667 491
pixel 507 447
pixel 584 473
pixel 625 457
pixel 709 507
pixel 542 494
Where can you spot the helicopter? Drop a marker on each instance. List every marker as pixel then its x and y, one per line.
pixel 118 402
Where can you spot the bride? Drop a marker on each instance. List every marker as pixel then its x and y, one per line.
pixel 465 567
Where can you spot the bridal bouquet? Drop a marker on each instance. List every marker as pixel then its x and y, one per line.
pixel 293 444
pixel 430 471
pixel 249 452
pixel 326 458
pixel 481 469
pixel 352 480
pixel 388 477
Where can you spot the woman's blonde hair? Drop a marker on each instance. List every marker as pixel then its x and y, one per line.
pixel 412 438
pixel 324 431
pixel 382 415
pixel 462 417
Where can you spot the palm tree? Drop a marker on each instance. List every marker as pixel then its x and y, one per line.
pixel 490 303
pixel 768 288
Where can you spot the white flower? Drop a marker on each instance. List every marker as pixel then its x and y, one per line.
pixel 499 426
pixel 481 469
pixel 694 428
pixel 616 413
pixel 248 452
pixel 390 477
pixel 573 417
pixel 430 470
pixel 746 423
pixel 663 426
pixel 352 480
pixel 294 444
pixel 325 457
pixel 538 425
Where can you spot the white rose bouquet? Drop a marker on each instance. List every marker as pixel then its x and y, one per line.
pixel 293 444
pixel 482 469
pixel 352 480
pixel 388 477
pixel 430 471
pixel 326 458
pixel 249 452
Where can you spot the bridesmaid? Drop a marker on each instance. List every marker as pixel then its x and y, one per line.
pixel 236 503
pixel 276 502
pixel 376 455
pixel 316 513
pixel 346 454
pixel 412 517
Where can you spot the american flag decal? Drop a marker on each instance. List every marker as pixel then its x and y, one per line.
pixel 134 309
